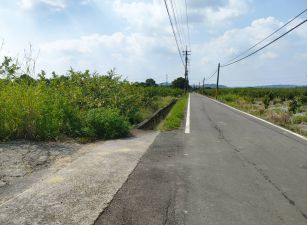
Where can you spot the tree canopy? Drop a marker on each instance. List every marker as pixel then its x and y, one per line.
pixel 179 82
pixel 150 82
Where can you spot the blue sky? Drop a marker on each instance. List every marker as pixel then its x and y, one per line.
pixel 135 37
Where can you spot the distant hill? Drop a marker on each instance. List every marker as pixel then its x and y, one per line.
pixel 165 84
pixel 279 86
pixel 273 86
pixel 214 86
pixel 260 86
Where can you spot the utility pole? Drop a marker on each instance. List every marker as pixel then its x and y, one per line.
pixel 166 84
pixel 204 83
pixel 186 53
pixel 217 81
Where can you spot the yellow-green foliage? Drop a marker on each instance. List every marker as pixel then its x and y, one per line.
pixel 174 118
pixel 300 119
pixel 79 104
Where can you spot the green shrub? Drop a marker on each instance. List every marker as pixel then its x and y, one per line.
pixel 229 98
pixel 57 118
pixel 293 106
pixel 77 104
pixel 106 123
pixel 266 101
pixel 34 112
pixel 303 99
pixel 300 119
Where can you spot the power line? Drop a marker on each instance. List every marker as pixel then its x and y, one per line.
pixel 225 65
pixel 176 24
pixel 211 76
pixel 187 20
pixel 170 19
pixel 243 53
pixel 178 9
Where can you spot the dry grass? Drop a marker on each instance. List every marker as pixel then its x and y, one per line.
pixel 280 118
pixel 276 113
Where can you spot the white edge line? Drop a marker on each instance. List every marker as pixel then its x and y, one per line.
pixel 187 123
pixel 274 125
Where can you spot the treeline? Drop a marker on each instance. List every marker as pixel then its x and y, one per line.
pixel 78 105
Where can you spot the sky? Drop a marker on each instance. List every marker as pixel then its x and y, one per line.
pixel 135 38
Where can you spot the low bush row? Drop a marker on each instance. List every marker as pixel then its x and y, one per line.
pixel 79 104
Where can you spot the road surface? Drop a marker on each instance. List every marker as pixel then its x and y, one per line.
pixel 231 169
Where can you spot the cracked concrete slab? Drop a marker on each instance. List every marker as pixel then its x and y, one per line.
pixel 78 192
pixel 20 159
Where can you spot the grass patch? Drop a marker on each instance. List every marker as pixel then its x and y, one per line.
pixel 300 119
pixel 174 118
pixel 229 98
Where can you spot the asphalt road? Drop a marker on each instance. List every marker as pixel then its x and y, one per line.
pixel 231 169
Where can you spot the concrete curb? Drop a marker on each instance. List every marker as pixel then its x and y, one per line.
pixel 155 119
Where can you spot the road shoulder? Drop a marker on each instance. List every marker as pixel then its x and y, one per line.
pixel 152 194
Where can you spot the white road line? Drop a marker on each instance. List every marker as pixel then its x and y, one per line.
pixel 187 121
pixel 283 129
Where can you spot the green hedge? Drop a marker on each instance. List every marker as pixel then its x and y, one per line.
pixel 79 104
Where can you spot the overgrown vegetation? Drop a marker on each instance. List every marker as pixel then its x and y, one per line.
pixel 78 104
pixel 281 93
pixel 174 118
pixel 286 107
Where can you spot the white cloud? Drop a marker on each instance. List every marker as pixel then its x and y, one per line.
pixel 84 44
pixel 259 68
pixel 26 4
pixel 85 2
pixel 58 4
pixel 144 16
pixel 269 55
pixel 135 54
pixel 217 14
pixel 152 14
pixel 140 54
pixel 302 30
pixel 134 43
pixel 29 4
pixel 234 41
pixel 140 42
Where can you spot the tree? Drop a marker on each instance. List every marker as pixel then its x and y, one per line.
pixel 25 78
pixel 8 68
pixel 150 82
pixel 180 82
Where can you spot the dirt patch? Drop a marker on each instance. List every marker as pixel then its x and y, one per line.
pixel 21 158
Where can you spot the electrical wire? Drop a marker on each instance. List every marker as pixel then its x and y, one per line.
pixel 176 24
pixel 171 22
pixel 178 9
pixel 225 65
pixel 211 75
pixel 187 20
pixel 243 53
